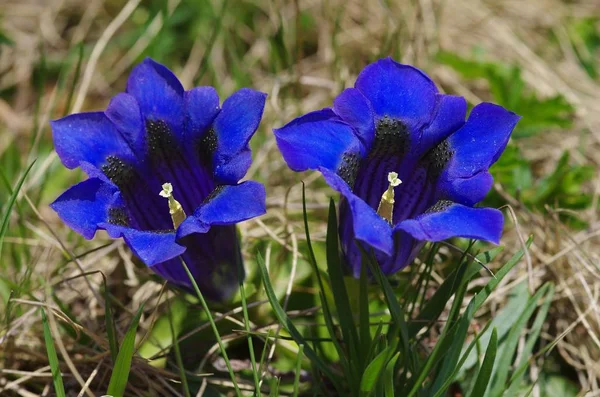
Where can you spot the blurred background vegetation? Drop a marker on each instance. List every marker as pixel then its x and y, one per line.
pixel 539 58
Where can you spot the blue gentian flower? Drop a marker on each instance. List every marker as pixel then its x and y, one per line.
pixel 407 165
pixel 156 139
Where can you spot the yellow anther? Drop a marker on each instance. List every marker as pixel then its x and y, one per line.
pixel 386 205
pixel 175 208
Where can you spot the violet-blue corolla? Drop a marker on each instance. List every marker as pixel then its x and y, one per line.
pixel 163 167
pixel 408 166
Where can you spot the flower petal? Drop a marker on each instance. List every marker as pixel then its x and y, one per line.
pixel 317 139
pixel 355 109
pixel 152 247
pixel 228 205
pixel 479 143
pixel 158 93
pixel 455 220
pixel 202 107
pixel 89 137
pixel 232 171
pixel 398 91
pixel 124 112
pixel 368 226
pixel 236 123
pixel 449 116
pixel 467 191
pixel 85 205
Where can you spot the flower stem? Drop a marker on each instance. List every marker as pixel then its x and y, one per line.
pixel 213 326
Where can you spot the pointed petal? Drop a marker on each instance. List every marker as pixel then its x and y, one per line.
pixel 227 206
pixel 398 91
pixel 124 112
pixel 236 123
pixel 368 226
pixel 158 93
pixel 449 116
pixel 152 247
pixel 317 139
pixel 85 205
pixel 447 219
pixel 89 137
pixel 355 109
pixel 230 172
pixel 479 143
pixel 467 191
pixel 202 107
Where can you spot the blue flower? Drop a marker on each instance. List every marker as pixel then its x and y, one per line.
pixel 394 126
pixel 156 139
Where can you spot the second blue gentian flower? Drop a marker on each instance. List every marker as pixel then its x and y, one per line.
pixel 164 166
pixel 408 166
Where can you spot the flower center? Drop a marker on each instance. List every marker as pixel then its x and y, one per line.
pixel 175 208
pixel 386 205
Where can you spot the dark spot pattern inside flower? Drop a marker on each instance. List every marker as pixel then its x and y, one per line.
pixel 391 139
pixel 206 147
pixel 216 191
pixel 119 172
pixel 437 158
pixel 118 216
pixel 160 140
pixel 440 206
pixel 348 170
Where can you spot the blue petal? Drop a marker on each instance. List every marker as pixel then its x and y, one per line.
pixel 89 137
pixel 85 205
pixel 158 93
pixel 202 107
pixel 232 171
pixel 398 91
pixel 481 141
pixel 368 226
pixel 317 139
pixel 456 220
pixel 124 112
pixel 355 109
pixel 152 247
pixel 406 249
pixel 229 205
pixel 449 116
pixel 236 123
pixel 467 191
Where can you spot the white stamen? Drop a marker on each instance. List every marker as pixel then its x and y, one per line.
pixel 175 208
pixel 386 205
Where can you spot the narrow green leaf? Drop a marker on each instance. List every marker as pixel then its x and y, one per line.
pixel 340 295
pixel 59 388
pixel 11 202
pixel 120 373
pixel 389 375
pixel 485 372
pixel 374 371
pixel 111 331
pixel 510 344
pixel 178 359
pixel 298 369
pixel 364 315
pixel 291 328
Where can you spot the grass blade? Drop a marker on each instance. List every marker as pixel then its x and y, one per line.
pixel 59 388
pixel 374 371
pixel 298 369
pixel 485 372
pixel 120 373
pixel 338 287
pixel 291 328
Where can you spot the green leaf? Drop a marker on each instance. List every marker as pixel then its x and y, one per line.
pixel 374 370
pixel 340 295
pixel 59 388
pixel 485 372
pixel 285 321
pixel 120 373
pixel 11 202
pixel 389 375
